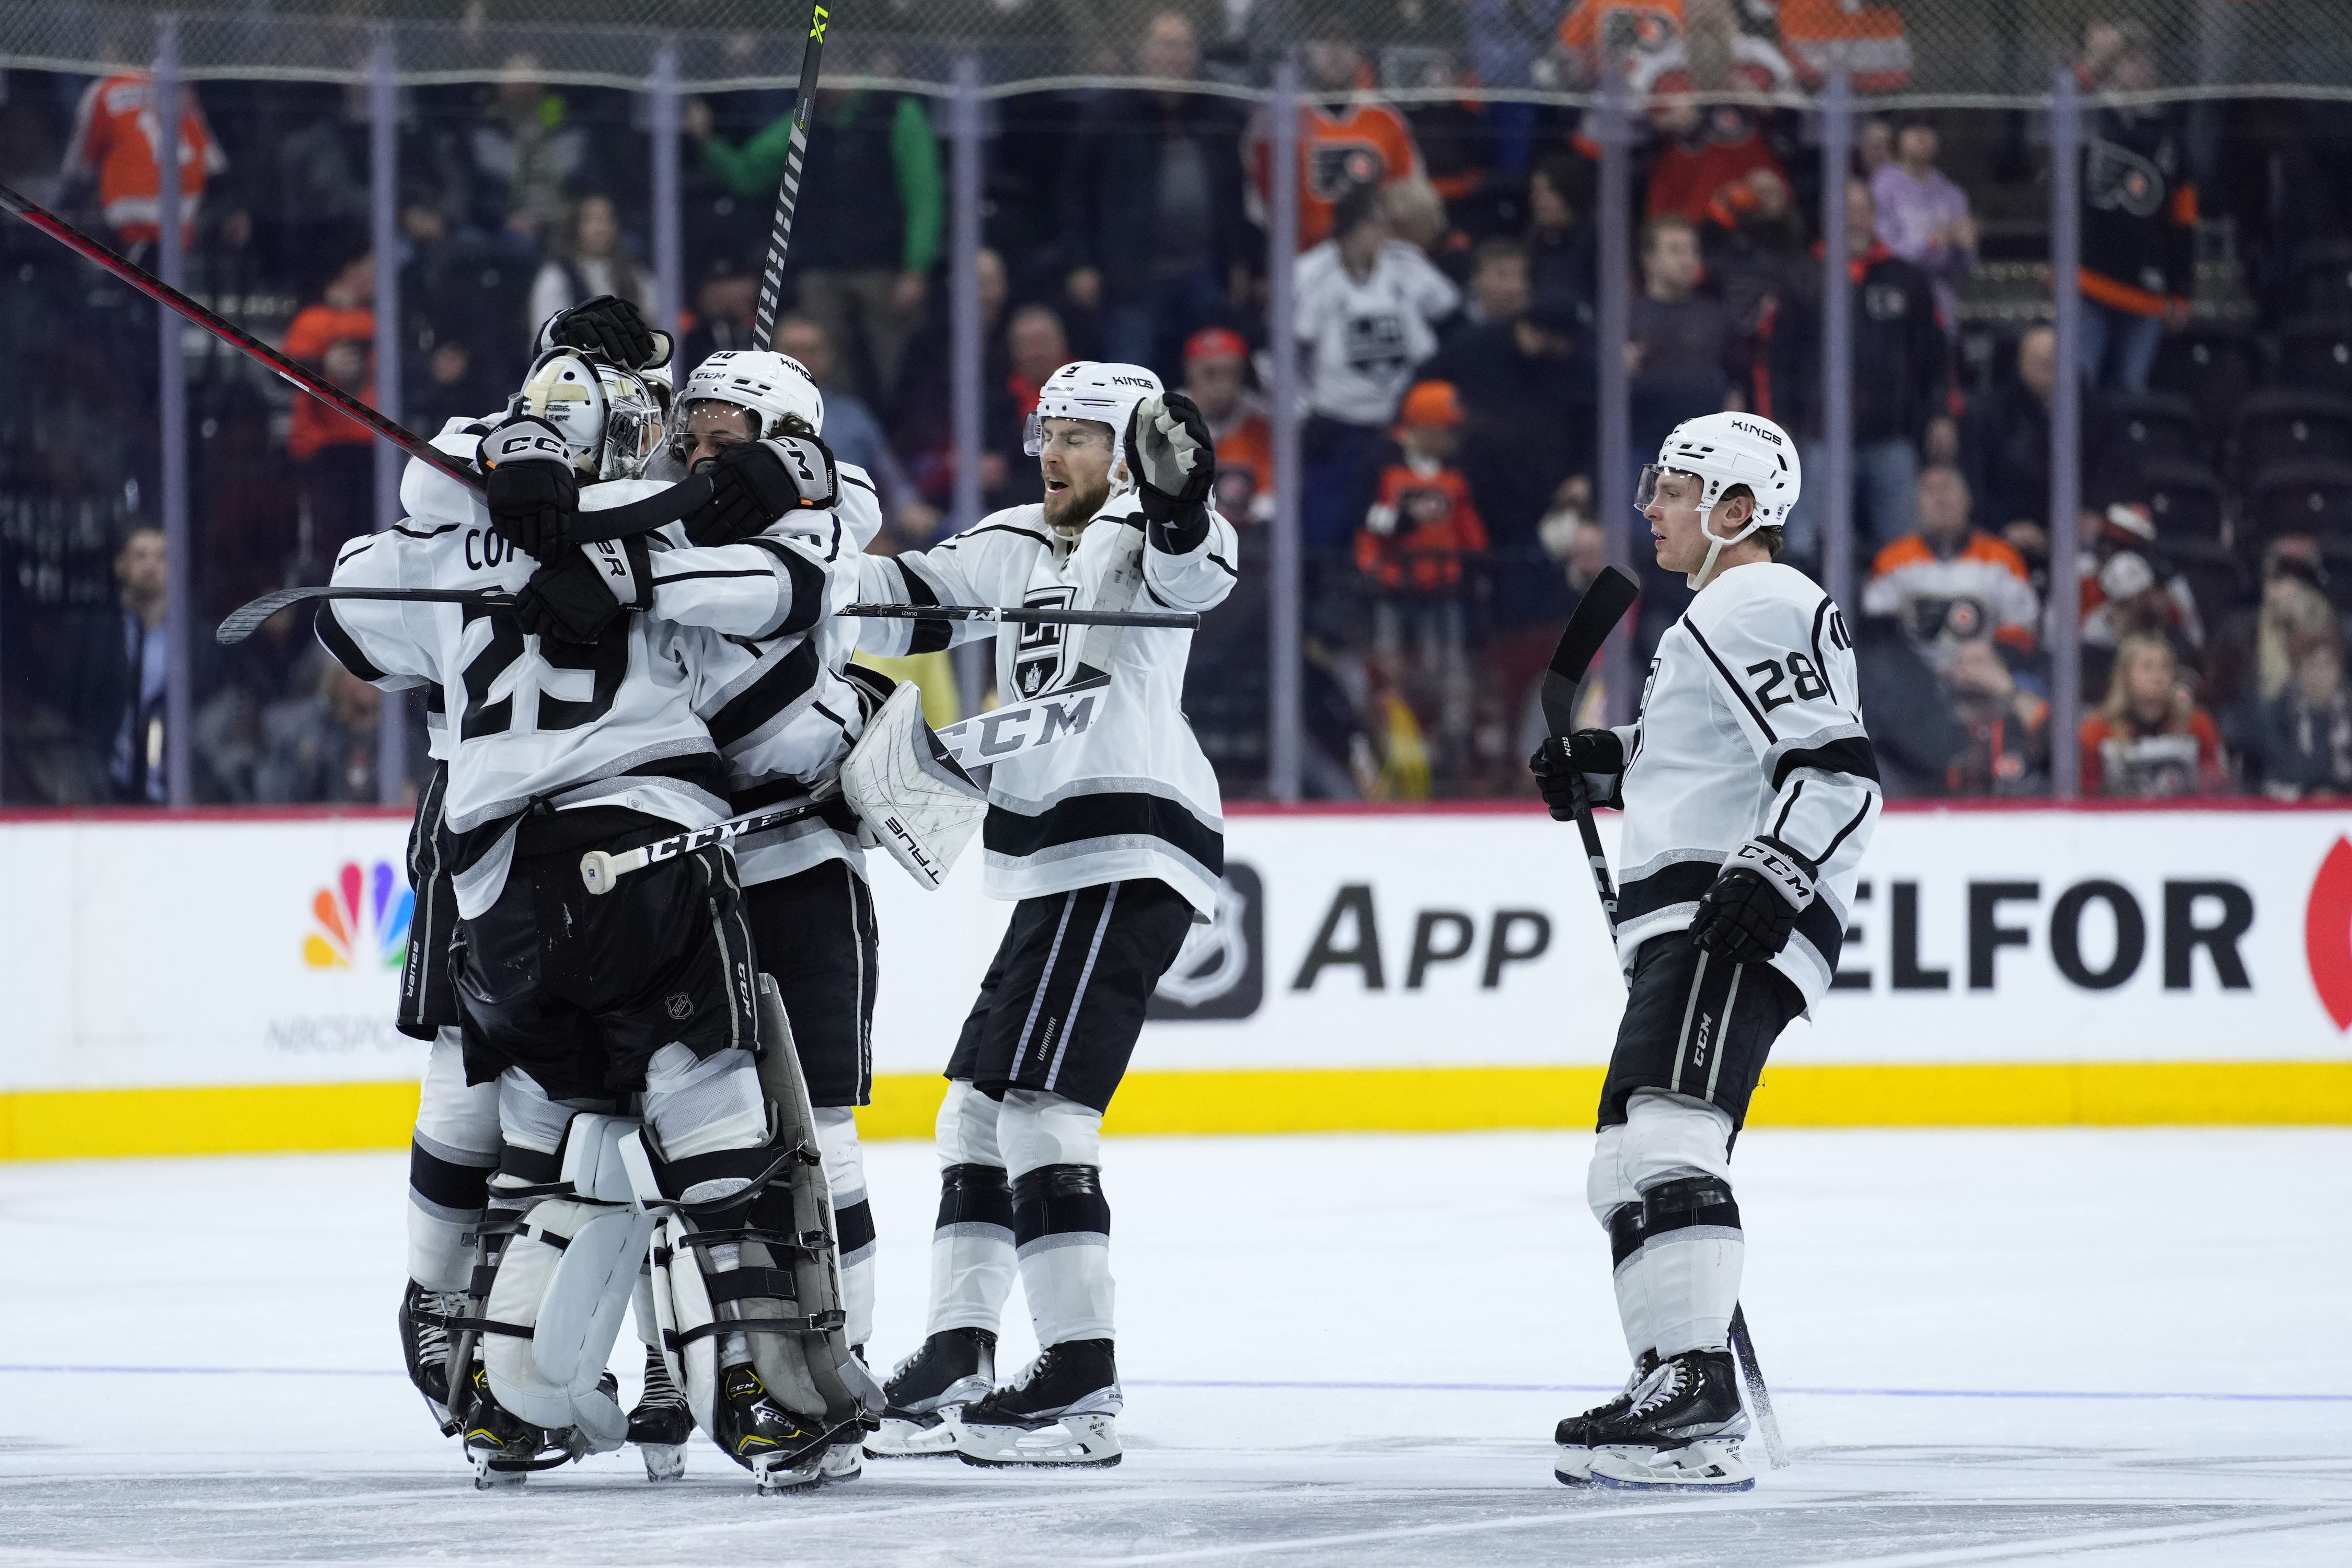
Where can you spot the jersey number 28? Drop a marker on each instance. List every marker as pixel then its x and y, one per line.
pixel 1800 674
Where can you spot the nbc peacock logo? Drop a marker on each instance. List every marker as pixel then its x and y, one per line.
pixel 361 920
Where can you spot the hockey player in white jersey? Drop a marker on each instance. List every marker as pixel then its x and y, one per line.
pixel 1750 791
pixel 1113 845
pixel 784 711
pixel 571 726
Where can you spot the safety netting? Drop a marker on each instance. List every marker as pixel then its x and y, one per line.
pixel 1950 52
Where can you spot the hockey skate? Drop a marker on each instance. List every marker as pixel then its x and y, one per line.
pixel 1680 1432
pixel 955 1366
pixel 845 1459
pixel 1573 1440
pixel 662 1423
pixel 424 1346
pixel 504 1447
pixel 1064 1411
pixel 783 1451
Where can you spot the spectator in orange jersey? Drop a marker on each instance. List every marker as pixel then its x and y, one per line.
pixel 2151 739
pixel 1216 377
pixel 1621 31
pixel 1949 583
pixel 1422 522
pixel 1340 145
pixel 1704 148
pixel 334 454
pixel 114 144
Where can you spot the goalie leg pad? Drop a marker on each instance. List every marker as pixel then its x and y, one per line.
pixel 450 1158
pixel 972 1244
pixel 905 787
pixel 531 1278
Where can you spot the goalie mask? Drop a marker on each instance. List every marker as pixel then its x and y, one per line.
pixel 612 420
pixel 1721 451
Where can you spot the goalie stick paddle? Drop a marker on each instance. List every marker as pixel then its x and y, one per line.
pixel 1180 620
pixel 788 189
pixel 1589 624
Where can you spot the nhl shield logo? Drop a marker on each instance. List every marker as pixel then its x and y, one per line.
pixel 680 1005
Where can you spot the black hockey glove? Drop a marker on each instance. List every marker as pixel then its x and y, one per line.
pixel 1746 915
pixel 533 491
pixel 611 329
pixel 1173 458
pixel 575 597
pixel 1582 767
pixel 756 483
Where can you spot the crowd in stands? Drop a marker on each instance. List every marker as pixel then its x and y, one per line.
pixel 1445 302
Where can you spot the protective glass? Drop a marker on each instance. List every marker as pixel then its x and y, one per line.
pixel 1076 434
pixel 1645 488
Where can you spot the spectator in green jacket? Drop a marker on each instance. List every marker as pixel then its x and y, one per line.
pixel 871 206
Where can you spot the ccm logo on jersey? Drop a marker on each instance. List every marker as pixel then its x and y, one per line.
pixel 992 737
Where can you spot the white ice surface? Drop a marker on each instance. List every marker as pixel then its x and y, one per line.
pixel 2089 1346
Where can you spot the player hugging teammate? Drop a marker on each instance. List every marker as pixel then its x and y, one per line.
pixel 1750 791
pixel 634 687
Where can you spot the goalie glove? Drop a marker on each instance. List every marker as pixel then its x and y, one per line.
pixel 1174 460
pixel 611 328
pixel 533 492
pixel 1746 915
pixel 909 792
pixel 756 483
pixel 576 597
pixel 1586 766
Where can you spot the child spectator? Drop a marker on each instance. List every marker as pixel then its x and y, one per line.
pixel 1422 521
pixel 1923 218
pixel 1368 305
pixel 335 456
pixel 2129 588
pixel 1948 584
pixel 2302 745
pixel 2149 740
pixel 1499 288
pixel 1216 377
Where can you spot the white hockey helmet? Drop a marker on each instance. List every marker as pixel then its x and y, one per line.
pixel 1722 451
pixel 1105 392
pixel 769 387
pixel 610 419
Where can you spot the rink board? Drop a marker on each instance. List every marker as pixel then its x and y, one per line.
pixel 219 981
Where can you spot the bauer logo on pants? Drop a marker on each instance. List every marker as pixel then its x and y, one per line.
pixel 1221 971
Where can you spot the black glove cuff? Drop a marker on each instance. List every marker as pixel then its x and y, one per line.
pixel 1175 527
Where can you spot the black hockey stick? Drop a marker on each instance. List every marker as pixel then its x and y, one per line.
pixel 788 189
pixel 1589 625
pixel 246 620
pixel 1182 620
pixel 617 522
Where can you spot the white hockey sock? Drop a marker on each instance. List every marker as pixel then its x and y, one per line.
pixel 852 1217
pixel 1691 1260
pixel 450 1158
pixel 972 1242
pixel 1061 1221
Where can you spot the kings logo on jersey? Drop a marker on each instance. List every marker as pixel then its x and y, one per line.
pixel 361 920
pixel 1037 657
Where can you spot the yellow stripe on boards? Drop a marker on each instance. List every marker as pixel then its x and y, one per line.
pixel 65 1124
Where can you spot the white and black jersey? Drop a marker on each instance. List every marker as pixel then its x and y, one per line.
pixel 780 708
pixel 1750 724
pixel 1133 796
pixel 535 723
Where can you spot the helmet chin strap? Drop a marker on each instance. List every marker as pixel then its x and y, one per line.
pixel 1715 543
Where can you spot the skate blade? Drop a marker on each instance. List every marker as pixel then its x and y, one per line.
pixel 844 1461
pixel 1703 1467
pixel 664 1461
pixel 1072 1440
pixel 899 1439
pixel 778 1477
pixel 487 1479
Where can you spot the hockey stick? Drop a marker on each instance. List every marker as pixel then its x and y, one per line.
pixel 617 523
pixel 1589 625
pixel 975 744
pixel 246 620
pixel 788 189
pixel 1180 620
